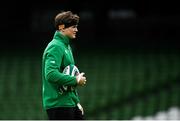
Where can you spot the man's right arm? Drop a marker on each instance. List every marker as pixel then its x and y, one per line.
pixel 53 59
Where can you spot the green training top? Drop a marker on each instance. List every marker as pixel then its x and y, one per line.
pixel 56 57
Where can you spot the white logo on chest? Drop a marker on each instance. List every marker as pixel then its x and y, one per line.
pixel 66 51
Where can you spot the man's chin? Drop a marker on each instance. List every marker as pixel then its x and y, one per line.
pixel 73 37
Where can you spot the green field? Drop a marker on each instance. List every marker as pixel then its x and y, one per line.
pixel 121 84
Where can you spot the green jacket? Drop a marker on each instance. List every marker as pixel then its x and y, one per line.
pixel 56 57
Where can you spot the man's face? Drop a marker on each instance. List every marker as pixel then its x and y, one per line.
pixel 71 31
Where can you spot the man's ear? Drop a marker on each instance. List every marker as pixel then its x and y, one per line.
pixel 61 27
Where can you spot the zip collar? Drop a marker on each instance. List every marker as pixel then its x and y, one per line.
pixel 60 37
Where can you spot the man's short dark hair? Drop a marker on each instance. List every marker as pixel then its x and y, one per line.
pixel 67 18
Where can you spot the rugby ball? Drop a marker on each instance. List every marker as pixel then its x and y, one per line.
pixel 71 70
